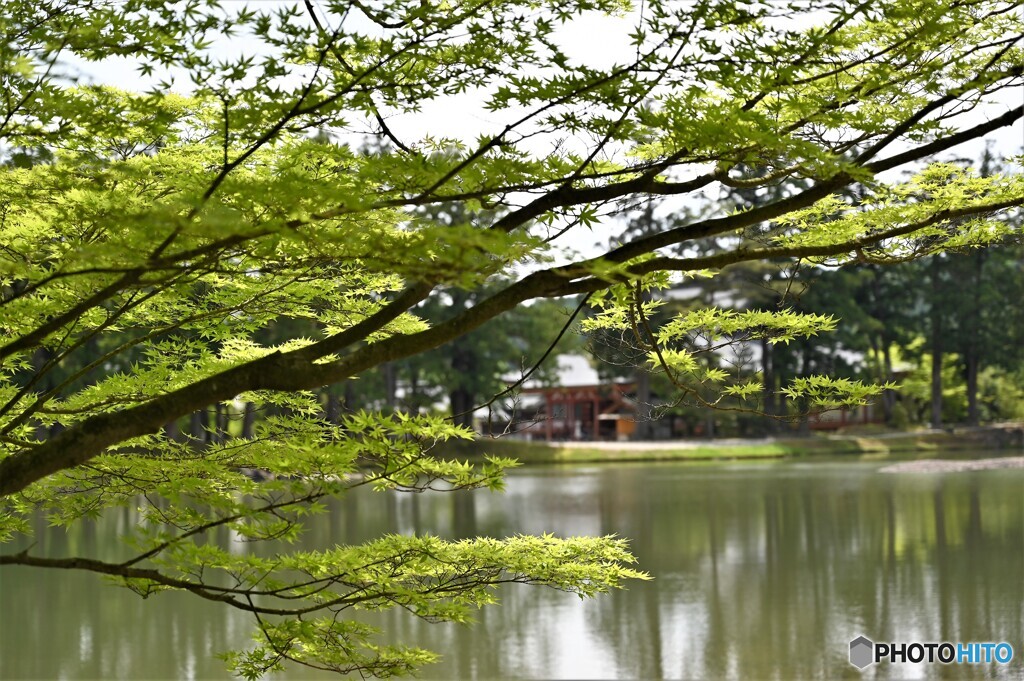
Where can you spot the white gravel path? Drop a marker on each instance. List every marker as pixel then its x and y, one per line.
pixel 954 466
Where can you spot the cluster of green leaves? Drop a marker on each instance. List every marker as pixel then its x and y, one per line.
pixel 909 219
pixel 710 325
pixel 681 346
pixel 437 580
pixel 265 224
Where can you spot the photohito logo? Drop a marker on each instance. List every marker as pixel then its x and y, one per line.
pixel 863 652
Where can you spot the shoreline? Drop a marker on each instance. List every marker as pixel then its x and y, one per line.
pixel 948 466
pixel 1007 438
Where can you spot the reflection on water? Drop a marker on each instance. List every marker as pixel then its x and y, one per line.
pixel 761 571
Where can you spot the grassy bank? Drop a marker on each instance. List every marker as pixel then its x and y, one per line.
pixel 879 444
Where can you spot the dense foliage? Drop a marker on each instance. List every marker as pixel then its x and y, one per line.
pixel 900 317
pixel 270 221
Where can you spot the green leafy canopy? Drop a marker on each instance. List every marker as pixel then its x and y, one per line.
pixel 151 239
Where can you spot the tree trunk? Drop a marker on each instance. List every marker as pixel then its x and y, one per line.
pixel 802 404
pixel 249 421
pixel 199 425
pixel 972 358
pixel 768 386
pixel 937 349
pixel 462 407
pixel 971 366
pixel 888 396
pixel 460 395
pixel 220 423
pixel 412 400
pixel 390 385
pixel 348 402
pixel 333 410
pixel 782 406
pixel 172 432
pixel 884 344
pixel 803 427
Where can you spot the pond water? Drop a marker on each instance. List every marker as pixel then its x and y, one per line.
pixel 762 571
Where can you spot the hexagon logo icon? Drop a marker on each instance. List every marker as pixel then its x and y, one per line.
pixel 862 652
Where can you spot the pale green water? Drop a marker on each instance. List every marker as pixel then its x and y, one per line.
pixel 762 571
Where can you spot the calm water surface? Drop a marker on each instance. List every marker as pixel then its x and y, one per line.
pixel 762 571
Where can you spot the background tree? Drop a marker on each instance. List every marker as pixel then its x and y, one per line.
pixel 480 364
pixel 175 226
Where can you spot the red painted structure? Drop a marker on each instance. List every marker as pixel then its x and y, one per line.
pixel 838 418
pixel 585 412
